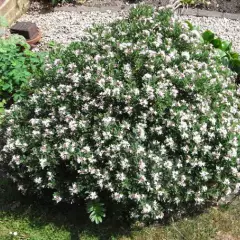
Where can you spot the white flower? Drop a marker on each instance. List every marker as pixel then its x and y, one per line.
pixel 226 181
pixel 197 138
pixel 160 216
pixel 186 55
pixel 64 155
pixel 44 148
pixel 38 180
pixel 57 198
pixel 199 200
pixel 168 164
pixel 142 165
pixel 127 70
pixel 204 175
pixel 147 76
pixel 93 195
pixel 147 209
pixel 73 189
pixel 73 125
pixel 43 162
pixel 117 196
pixel 184 37
pixel 16 159
pixel 121 176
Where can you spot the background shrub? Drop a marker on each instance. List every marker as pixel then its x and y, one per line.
pixel 194 2
pixel 17 64
pixel 141 113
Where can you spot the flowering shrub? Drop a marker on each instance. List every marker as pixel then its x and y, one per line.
pixel 140 113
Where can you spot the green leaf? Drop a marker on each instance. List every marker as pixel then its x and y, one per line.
pixel 235 65
pixel 225 61
pixel 97 211
pixel 189 25
pixel 234 55
pixel 208 36
pixel 225 45
pixel 220 53
pixel 201 39
pixel 52 44
pixel 216 42
pixel 6 86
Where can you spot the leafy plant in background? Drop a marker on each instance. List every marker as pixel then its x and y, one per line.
pixel 223 48
pixel 194 2
pixel 17 64
pixel 185 3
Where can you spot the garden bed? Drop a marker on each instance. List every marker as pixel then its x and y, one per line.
pixel 230 6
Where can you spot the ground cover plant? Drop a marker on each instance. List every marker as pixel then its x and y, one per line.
pixel 141 115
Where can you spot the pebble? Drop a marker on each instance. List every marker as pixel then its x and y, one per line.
pixel 65 27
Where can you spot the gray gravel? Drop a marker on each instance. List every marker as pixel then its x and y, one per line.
pixel 65 27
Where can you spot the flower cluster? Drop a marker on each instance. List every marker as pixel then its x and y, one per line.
pixel 141 112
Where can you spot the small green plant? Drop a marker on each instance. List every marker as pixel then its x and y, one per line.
pixel 17 63
pixel 224 49
pixel 194 2
pixel 175 4
pixel 96 211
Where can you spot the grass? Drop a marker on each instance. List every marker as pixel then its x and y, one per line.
pixel 34 220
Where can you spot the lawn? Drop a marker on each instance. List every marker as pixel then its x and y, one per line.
pixel 43 221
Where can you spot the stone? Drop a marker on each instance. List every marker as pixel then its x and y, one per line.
pixel 206 13
pixel 26 29
pixel 232 16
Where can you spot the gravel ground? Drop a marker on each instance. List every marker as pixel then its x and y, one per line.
pixel 65 27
